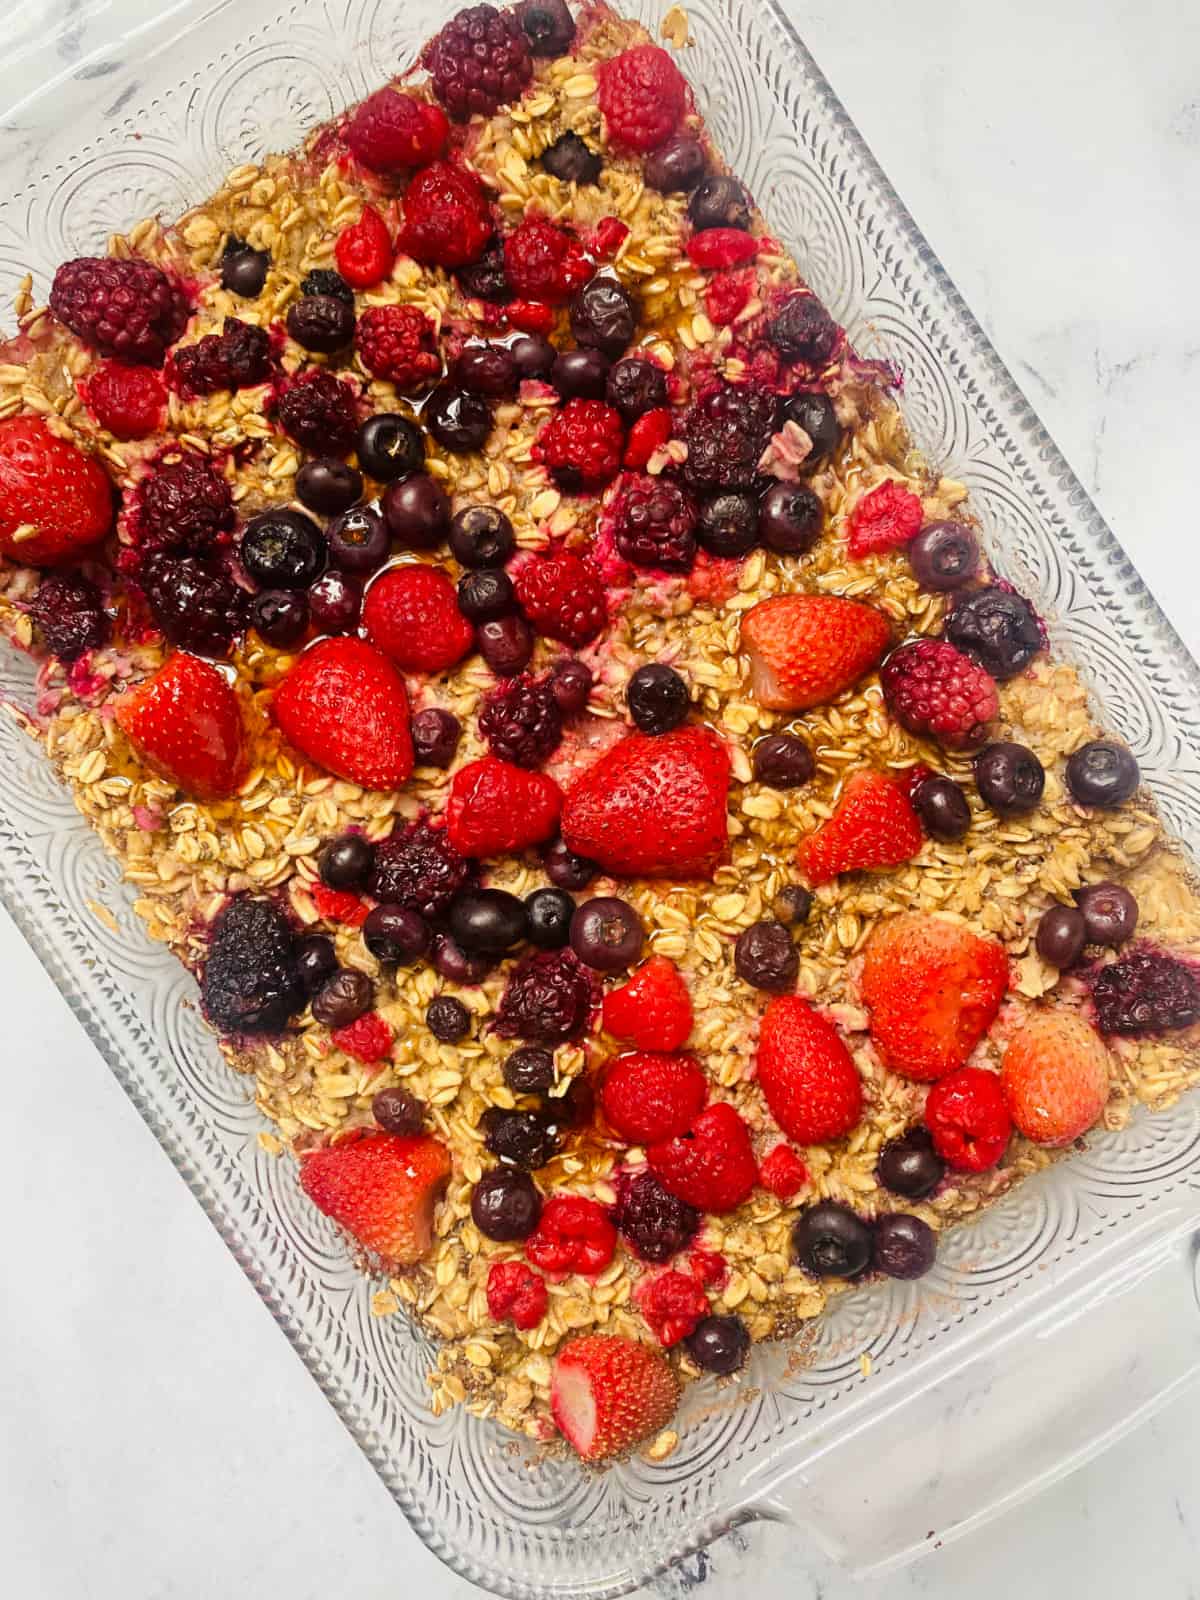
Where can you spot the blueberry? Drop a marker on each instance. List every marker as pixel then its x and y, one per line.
pixel 765 958
pixel 676 166
pixel 565 869
pixel 343 998
pixel 452 962
pixel 719 1344
pixel 460 422
pixel 485 596
pixel 532 356
pixel 417 512
pixel 944 556
pixel 396 1111
pixel 793 904
pixel 447 1019
pixel 1109 911
pixel 1061 936
pixel 390 447
pixel 1009 777
pixel 316 960
pixel 548 25
pixel 943 808
pixel 550 912
pixel 506 644
pixel 346 862
pixel 790 518
pixel 395 935
pixel 720 202
pixel 728 525
pixel 658 698
pixel 283 549
pixel 815 413
pixel 636 385
pixel 571 160
pixel 321 322
pixel 280 616
pixel 802 330
pixel 488 921
pixel 243 270
pixel 607 934
pixel 334 602
pixel 481 536
pixel 571 685
pixel 910 1166
pixel 604 316
pixel 529 1070
pixel 505 1204
pixel 435 736
pixel 487 369
pixel 831 1241
pixel 323 280
pixel 522 1138
pixel 580 374
pixel 904 1246
pixel 783 761
pixel 359 541
pixel 997 628
pixel 1103 774
pixel 486 278
pixel 327 485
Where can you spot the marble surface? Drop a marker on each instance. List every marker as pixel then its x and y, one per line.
pixel 158 1439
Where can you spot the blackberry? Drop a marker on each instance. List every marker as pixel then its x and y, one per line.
pixel 521 721
pixel 418 868
pixel 321 322
pixel 126 308
pixel 726 434
pixel 251 981
pixel 1145 992
pixel 182 505
pixel 802 330
pixel 479 62
pixel 324 281
pixel 237 358
pixel 320 412
pixel 571 160
pixel 486 278
pixel 197 605
pixel 69 615
pixel 656 1224
pixel 548 999
pixel 654 525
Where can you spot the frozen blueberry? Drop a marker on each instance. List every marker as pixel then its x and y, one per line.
pixel 565 869
pixel 549 912
pixel 604 316
pixel 283 549
pixel 533 356
pixel 607 934
pixel 395 935
pixel 481 536
pixel 765 958
pixel 831 1241
pixel 529 1070
pixel 1109 911
pixel 487 369
pixel 581 374
pixel 793 905
pixel 943 808
pixel 783 761
pixel 344 863
pixel 815 413
pixel 280 617
pixel 996 627
pixel 571 685
pixel 571 160
pixel 343 998
pixel 359 541
pixel 327 485
pixel 505 643
pixel 453 963
pixel 1103 774
pixel 390 447
pixel 483 596
pixel 460 422
pixel 447 1019
pixel 910 1166
pixel 321 322
pixel 316 960
pixel 658 698
pixel 334 602
pixel 676 166
pixel 521 1137
pixel 904 1246
pixel 435 736
pixel 719 1344
pixel 636 385
pixel 488 921
pixel 720 202
pixel 1009 777
pixel 396 1111
pixel 243 270
pixel 728 525
pixel 417 512
pixel 505 1204
pixel 1061 936
pixel 790 519
pixel 944 556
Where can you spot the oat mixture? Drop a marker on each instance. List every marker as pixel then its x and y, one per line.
pixel 712 317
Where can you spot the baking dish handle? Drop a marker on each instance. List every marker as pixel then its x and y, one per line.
pixel 961 1446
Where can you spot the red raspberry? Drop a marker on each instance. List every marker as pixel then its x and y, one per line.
pixel 320 412
pixel 932 688
pixel 649 434
pixel 721 247
pixel 399 343
pixel 609 234
pixel 412 614
pixel 516 1295
pixel 237 358
pixel 563 597
pixel 727 296
pixel 479 62
pixel 531 316
pixel 124 308
pixel 967 1115
pixel 672 1304
pixel 368 1039
pixel 711 1166
pixel 708 1267
pixel 496 808
pixel 783 1173
pixel 574 1235
pixel 647 1096
pixel 582 445
pixel 446 218
pixel 653 1010
pixel 888 517
pixel 128 401
pixel 654 523
pixel 364 250
pixel 545 263
pixel 642 95
pixel 390 130
pixel 339 905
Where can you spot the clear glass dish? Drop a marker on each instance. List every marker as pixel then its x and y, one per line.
pixel 1069 1311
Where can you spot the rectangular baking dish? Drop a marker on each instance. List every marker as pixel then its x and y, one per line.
pixel 1068 1312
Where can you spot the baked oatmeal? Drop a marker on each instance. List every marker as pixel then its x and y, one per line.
pixel 653 871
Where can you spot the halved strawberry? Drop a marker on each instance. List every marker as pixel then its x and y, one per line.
pixel 185 722
pixel 805 649
pixel 653 1010
pixel 806 1073
pixel 382 1189
pixel 607 1393
pixel 1055 1077
pixel 54 500
pixel 344 706
pixel 873 825
pixel 496 807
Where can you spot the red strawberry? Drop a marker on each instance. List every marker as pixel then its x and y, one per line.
pixel 888 517
pixel 1055 1077
pixel 563 597
pixel 364 250
pixel 873 825
pixel 608 1393
pixel 805 649
pixel 783 1173
pixel 712 1165
pixel 933 989
pixel 806 1074
pixel 54 500
pixel 185 722
pixel 339 905
pixel 516 1294
pixel 652 806
pixel 343 705
pixel 382 1189
pixel 968 1119
pixel 368 1039
pixel 648 1096
pixel 495 808
pixel 412 614
pixel 572 1235
pixel 672 1303
pixel 653 1010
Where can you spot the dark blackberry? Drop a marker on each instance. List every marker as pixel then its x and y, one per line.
pixel 237 358
pixel 1146 992
pixel 69 615
pixel 182 505
pixel 320 412
pixel 521 721
pixel 120 306
pixel 655 1223
pixel 418 868
pixel 479 62
pixel 486 278
pixel 251 982
pixel 654 524
pixel 726 434
pixel 548 999
pixel 571 160
pixel 636 385
pixel 197 605
pixel 519 1137
pixel 324 281
pixel 802 330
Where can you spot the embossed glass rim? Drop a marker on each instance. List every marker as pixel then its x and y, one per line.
pixel 782 67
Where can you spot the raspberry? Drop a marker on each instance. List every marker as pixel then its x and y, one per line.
pixel 516 1295
pixel 364 250
pixel 653 1010
pixel 399 343
pixel 547 999
pixel 655 1223
pixel 713 248
pixel 888 517
pixel 573 1235
pixel 531 316
pixel 368 1039
pixel 932 688
pixel 783 1173
pixel 647 436
pixel 339 905
pixel 418 868
pixel 197 606
pixel 486 278
pixel 642 95
pixel 545 263
pixel 69 615
pixel 320 412
pixel 128 401
pixel 711 1166
pixel 125 308
pixel 968 1118
pixel 727 433
pixel 672 1304
pixel 1146 992
pixel 446 217
pixel 479 62
pixel 582 445
pixel 563 597
pixel 390 130
pixel 803 331
pixel 250 983
pixel 727 296
pixel 607 237
pixel 647 1095
pixel 521 721
pixel 237 358
pixel 654 523
pixel 182 505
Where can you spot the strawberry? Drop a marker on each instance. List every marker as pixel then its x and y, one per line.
pixel 344 706
pixel 783 1174
pixel 806 1074
pixel 412 614
pixel 711 1166
pixel 888 517
pixel 647 1096
pixel 496 807
pixel 382 1189
pixel 968 1119
pixel 608 1393
pixel 933 989
pixel 1055 1076
pixel 649 433
pixel 572 1235
pixel 805 649
pixel 653 1009
pixel 368 1039
pixel 185 722
pixel 672 1304
pixel 516 1294
pixel 873 825
pixel 54 500
pixel 652 806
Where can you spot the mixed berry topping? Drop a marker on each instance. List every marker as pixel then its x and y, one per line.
pixel 399 343
pixel 320 412
pixel 197 605
pixel 521 721
pixel 69 615
pixel 251 982
pixel 182 504
pixel 547 999
pixel 727 433
pixel 654 524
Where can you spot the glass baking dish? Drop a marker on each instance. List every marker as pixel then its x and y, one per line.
pixel 1068 1312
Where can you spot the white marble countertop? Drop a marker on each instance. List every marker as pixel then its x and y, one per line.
pixel 156 1436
